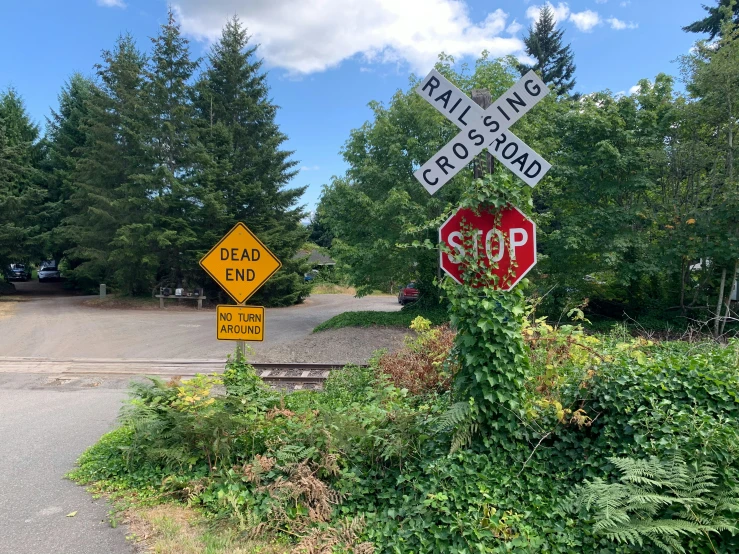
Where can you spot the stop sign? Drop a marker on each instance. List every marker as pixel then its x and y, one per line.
pixel 511 246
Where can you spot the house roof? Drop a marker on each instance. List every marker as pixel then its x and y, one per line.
pixel 315 257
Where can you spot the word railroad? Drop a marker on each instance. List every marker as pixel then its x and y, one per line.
pixel 482 129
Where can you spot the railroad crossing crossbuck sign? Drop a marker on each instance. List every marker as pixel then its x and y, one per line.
pixel 482 129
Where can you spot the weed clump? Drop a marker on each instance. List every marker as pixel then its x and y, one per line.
pixel 423 365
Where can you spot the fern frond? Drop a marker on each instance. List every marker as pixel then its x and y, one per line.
pixel 628 511
pixel 454 416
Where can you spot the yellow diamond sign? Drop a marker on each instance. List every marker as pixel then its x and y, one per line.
pixel 240 263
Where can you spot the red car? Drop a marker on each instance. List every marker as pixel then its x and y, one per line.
pixel 409 293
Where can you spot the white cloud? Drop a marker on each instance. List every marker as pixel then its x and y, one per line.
pixel 601 1
pixel 514 27
pixel 635 89
pixel 585 20
pixel 561 11
pixel 305 37
pixel 625 3
pixel 310 168
pixel 621 25
pixel 112 3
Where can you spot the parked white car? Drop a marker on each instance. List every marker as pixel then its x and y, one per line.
pixel 49 273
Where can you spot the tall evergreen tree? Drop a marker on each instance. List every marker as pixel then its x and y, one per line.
pixel 248 170
pixel 554 62
pixel 21 195
pixel 65 139
pixel 711 24
pixel 110 194
pixel 174 152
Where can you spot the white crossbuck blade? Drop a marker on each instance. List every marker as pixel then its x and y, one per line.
pixel 482 129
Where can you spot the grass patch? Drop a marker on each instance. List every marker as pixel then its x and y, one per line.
pixel 403 318
pixel 332 288
pixel 177 529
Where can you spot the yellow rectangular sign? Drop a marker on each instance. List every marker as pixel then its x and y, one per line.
pixel 240 323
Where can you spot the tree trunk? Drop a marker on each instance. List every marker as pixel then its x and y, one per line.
pixel 727 302
pixel 717 320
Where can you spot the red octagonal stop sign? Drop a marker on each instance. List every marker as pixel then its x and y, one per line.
pixel 512 246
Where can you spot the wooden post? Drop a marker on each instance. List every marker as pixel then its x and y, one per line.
pixel 485 164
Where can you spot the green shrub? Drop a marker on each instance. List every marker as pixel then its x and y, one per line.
pixel 661 502
pixel 398 469
pixel 402 318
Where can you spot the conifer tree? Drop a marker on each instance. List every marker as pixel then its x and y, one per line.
pixel 21 195
pixel 248 170
pixel 173 151
pixel 65 138
pixel 711 24
pixel 554 62
pixel 109 223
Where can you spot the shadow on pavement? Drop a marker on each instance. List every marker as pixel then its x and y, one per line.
pixel 34 288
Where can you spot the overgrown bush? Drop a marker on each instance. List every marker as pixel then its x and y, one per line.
pixel 369 464
pixel 424 364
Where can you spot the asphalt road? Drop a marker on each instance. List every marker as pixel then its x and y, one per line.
pixel 42 432
pixel 47 422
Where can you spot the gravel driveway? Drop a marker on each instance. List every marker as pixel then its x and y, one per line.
pixel 63 327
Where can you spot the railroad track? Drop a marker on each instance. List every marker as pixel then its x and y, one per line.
pixel 294 375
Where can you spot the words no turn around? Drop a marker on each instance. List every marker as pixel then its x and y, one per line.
pixel 482 129
pixel 240 323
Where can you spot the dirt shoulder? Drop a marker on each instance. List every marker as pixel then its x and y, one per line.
pixel 347 345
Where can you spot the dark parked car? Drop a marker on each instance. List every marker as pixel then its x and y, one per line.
pixel 17 272
pixel 49 273
pixel 409 293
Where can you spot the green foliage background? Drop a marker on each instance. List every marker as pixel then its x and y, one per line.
pixel 147 165
pixel 637 215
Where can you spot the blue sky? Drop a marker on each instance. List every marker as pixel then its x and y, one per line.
pixel 325 64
